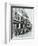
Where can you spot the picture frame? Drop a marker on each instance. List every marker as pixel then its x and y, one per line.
pixel 9 16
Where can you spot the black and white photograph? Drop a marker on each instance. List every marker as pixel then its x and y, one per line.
pixel 18 22
pixel 22 22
